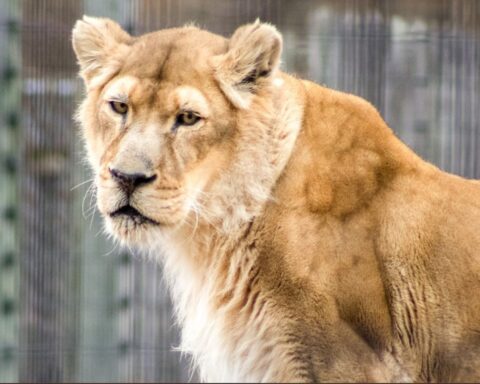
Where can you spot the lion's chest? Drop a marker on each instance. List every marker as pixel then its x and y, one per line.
pixel 222 343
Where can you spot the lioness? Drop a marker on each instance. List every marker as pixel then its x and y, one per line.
pixel 302 241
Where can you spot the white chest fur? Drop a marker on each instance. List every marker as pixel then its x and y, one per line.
pixel 225 346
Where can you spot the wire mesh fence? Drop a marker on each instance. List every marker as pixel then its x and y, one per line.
pixel 74 307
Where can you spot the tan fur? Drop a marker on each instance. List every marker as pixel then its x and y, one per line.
pixel 302 240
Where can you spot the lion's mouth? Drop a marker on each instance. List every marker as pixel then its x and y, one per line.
pixel 131 213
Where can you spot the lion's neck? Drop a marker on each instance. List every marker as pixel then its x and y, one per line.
pixel 268 133
pixel 208 277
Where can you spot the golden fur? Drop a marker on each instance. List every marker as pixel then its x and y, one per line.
pixel 302 240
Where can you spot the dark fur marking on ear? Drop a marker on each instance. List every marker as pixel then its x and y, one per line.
pixel 253 76
pixel 250 78
pixel 265 73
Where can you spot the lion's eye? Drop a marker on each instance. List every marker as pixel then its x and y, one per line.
pixel 119 107
pixel 187 118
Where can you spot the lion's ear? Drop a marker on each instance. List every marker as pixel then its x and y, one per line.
pixel 252 57
pixel 99 45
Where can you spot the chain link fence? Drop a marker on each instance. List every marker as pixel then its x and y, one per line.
pixel 75 307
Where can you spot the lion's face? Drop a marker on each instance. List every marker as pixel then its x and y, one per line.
pixel 162 119
pixel 159 145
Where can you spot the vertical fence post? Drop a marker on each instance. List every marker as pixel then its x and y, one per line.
pixel 9 109
pixel 47 331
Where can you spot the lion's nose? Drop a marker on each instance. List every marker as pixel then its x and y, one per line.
pixel 130 181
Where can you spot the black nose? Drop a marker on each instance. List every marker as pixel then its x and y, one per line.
pixel 130 181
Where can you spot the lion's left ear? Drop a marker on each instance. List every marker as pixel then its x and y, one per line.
pixel 253 56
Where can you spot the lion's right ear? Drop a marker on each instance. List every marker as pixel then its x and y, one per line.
pixel 100 45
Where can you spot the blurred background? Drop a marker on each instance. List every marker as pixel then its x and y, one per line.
pixel 74 307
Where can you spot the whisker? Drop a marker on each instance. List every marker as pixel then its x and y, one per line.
pixel 82 183
pixel 85 197
pixel 99 231
pixel 115 246
pixel 130 250
pixel 93 195
pixel 90 209
pixel 206 214
pixel 195 226
pixel 92 215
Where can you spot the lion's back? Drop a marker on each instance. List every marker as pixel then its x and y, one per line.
pixel 393 239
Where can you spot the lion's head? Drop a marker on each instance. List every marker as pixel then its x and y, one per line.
pixel 182 126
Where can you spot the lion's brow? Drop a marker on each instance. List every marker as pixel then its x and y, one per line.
pixel 122 97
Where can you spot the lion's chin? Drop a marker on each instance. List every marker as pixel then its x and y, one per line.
pixel 133 231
